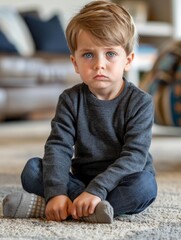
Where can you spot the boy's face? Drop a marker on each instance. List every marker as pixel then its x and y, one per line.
pixel 100 67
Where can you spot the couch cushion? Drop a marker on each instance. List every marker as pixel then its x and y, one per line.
pixel 48 35
pixel 17 71
pixel 16 31
pixel 5 45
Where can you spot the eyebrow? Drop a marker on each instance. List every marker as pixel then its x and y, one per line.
pixel 92 49
pixel 86 49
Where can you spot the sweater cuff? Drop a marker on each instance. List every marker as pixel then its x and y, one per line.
pixel 53 191
pixel 96 190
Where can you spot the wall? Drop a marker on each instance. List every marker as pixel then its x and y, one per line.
pixel 47 7
pixel 177 18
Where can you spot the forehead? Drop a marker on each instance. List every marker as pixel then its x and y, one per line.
pixel 85 37
pixel 86 40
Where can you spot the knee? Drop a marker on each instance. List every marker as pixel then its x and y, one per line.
pixel 30 172
pixel 144 191
pixel 142 184
pixel 134 193
pixel 147 184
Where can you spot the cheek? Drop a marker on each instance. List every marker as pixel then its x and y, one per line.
pixel 123 66
pixel 118 68
pixel 83 67
pixel 80 69
pixel 76 67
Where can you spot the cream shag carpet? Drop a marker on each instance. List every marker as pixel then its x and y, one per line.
pixel 161 221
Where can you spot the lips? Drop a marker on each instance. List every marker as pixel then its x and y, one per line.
pixel 100 76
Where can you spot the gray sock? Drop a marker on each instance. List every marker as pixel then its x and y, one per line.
pixel 23 205
pixel 103 214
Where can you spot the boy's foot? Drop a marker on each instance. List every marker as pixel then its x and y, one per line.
pixel 103 214
pixel 23 205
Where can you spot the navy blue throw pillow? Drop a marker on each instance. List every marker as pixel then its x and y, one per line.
pixel 47 35
pixel 5 45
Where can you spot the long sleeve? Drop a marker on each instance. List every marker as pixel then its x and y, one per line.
pixel 58 151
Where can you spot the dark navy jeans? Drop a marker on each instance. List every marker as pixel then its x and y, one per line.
pixel 134 193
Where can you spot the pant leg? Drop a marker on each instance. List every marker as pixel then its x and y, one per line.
pixel 32 177
pixel 32 180
pixel 134 193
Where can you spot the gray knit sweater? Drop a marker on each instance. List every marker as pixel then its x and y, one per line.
pixel 101 141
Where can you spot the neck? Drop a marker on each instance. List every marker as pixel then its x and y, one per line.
pixel 108 95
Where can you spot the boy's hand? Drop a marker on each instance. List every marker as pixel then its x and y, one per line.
pixel 84 205
pixel 58 208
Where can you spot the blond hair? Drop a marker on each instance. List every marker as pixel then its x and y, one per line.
pixel 109 23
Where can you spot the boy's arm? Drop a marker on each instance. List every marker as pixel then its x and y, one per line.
pixel 135 151
pixel 58 151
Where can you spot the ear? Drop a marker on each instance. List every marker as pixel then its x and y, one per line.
pixel 73 60
pixel 129 60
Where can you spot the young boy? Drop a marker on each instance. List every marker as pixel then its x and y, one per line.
pixel 96 163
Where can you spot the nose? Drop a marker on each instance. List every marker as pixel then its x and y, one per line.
pixel 99 63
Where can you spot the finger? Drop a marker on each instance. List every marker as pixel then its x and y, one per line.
pixel 57 216
pixel 79 210
pixel 69 208
pixel 85 211
pixel 53 216
pixel 48 215
pixel 63 214
pixel 74 212
pixel 91 208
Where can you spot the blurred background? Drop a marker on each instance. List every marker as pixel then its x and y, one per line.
pixel 35 68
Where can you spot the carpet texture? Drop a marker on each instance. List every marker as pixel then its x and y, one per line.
pixel 160 221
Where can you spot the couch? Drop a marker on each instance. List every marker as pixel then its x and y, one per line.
pixel 31 85
pixel 34 64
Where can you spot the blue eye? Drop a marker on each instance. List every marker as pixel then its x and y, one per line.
pixel 111 54
pixel 88 55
